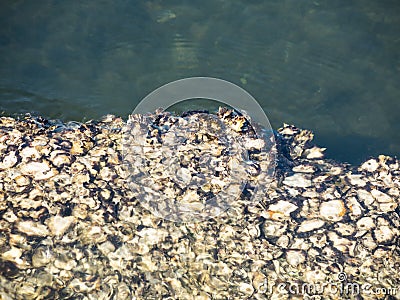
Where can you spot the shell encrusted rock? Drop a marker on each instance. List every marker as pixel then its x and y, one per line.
pixel 72 226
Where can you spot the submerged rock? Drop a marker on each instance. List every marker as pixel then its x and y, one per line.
pixel 72 226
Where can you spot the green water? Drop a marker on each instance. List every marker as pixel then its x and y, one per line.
pixel 330 66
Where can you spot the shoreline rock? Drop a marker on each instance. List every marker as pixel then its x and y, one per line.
pixel 71 228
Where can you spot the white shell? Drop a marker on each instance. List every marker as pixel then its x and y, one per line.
pixel 282 207
pixel 152 235
pixel 314 276
pixel 368 241
pixel 318 240
pixel 333 210
pixel 314 152
pixel 295 257
pixel 283 241
pixel 64 262
pixel 365 223
pixel 254 143
pixel 309 225
pixel 246 288
pixel 38 170
pixel 357 180
pixel 381 197
pixel 345 228
pixel 272 228
pixel 384 234
pixel 355 208
pixel 22 180
pixel 9 161
pixel 370 165
pixel 365 197
pixel 33 228
pixel 342 244
pixel 13 255
pixel 304 169
pixel 184 175
pixel 297 180
pixel 29 152
pixel 58 225
pixel 60 158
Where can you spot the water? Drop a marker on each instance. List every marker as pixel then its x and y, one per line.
pixel 330 66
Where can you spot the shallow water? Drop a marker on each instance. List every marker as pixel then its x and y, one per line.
pixel 330 66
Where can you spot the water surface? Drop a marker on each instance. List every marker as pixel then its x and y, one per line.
pixel 330 66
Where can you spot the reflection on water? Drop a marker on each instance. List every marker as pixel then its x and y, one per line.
pixel 331 66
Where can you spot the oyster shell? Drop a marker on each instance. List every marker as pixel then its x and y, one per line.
pixel 72 226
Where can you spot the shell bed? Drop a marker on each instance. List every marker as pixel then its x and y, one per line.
pixel 72 228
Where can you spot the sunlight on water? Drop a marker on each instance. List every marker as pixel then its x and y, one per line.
pixel 328 66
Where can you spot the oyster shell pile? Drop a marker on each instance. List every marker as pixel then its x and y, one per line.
pixel 191 168
pixel 71 226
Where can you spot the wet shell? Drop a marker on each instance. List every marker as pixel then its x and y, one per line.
pixel 42 256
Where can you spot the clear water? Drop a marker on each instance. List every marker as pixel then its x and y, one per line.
pixel 330 66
